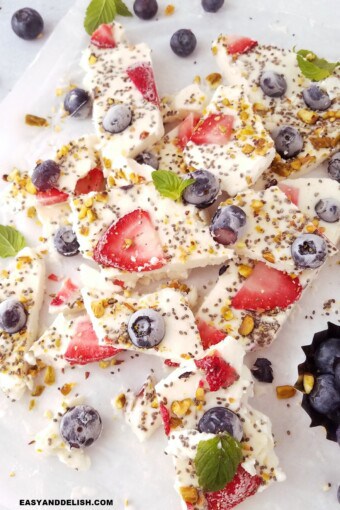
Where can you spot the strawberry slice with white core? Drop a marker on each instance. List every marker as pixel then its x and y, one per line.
pixel 93 181
pixel 291 193
pixel 131 244
pixel 51 197
pixel 209 334
pixel 237 44
pixel 216 129
pixel 141 75
pixel 103 37
pixel 185 130
pixel 84 348
pixel 67 290
pixel 241 487
pixel 266 289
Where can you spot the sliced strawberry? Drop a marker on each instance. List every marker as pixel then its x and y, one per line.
pixel 51 197
pixel 265 289
pixel 242 486
pixel 209 335
pixel 165 415
pixel 53 277
pixel 141 75
pixel 218 373
pixel 103 37
pixel 291 193
pixel 119 283
pixel 93 181
pixel 83 347
pixel 65 293
pixel 131 244
pixel 185 130
pixel 215 129
pixel 170 363
pixel 237 44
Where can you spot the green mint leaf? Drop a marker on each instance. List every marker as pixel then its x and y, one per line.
pixel 11 241
pixel 122 9
pixel 216 462
pixel 169 184
pixel 313 67
pixel 98 12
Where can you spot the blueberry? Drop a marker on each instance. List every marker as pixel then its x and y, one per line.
pixel 13 316
pixel 262 370
pixel 80 426
pixel 328 209
pixel 309 251
pixel 148 158
pixel 183 42
pixel 218 420
pixel 316 98
pixel 146 328
pixel 212 5
pixel 337 433
pixel 145 9
pixel 337 373
pixel 288 142
pixel 324 397
pixel 45 175
pixel 117 118
pixel 326 355
pixel 65 242
pixel 227 224
pixel 77 103
pixel 203 192
pixel 27 23
pixel 273 84
pixel 334 167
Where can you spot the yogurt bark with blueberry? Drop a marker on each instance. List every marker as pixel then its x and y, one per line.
pixel 21 295
pixel 300 114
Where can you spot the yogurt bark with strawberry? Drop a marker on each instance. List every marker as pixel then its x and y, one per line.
pixel 191 99
pixel 21 296
pixel 230 141
pixel 67 300
pixel 284 98
pixel 134 232
pixel 319 200
pixel 210 396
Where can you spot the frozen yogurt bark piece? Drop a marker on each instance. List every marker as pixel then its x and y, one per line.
pixel 23 281
pixel 190 99
pixel 230 141
pixel 67 300
pixel 243 61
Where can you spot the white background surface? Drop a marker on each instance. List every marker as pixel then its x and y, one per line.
pixel 122 468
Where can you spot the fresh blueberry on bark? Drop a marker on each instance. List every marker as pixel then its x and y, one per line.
pixel 288 142
pixel 309 251
pixel 273 84
pixel 326 355
pixel 334 167
pixel 77 103
pixel 316 98
pixel 65 242
pixel 145 9
pixel 117 118
pixel 328 209
pixel 146 328
pixel 80 426
pixel 212 5
pixel 183 42
pixel 13 316
pixel 227 224
pixel 324 397
pixel 337 372
pixel 27 23
pixel 45 175
pixel 203 192
pixel 147 158
pixel 262 370
pixel 220 419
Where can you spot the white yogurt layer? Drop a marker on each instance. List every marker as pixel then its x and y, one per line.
pixel 190 99
pixel 124 171
pixel 67 300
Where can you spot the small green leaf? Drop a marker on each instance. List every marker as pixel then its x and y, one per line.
pixel 11 241
pixel 216 462
pixel 122 9
pixel 169 184
pixel 98 12
pixel 313 67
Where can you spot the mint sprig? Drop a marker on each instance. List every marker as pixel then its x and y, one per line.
pixel 216 462
pixel 169 184
pixel 11 241
pixel 103 11
pixel 313 67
